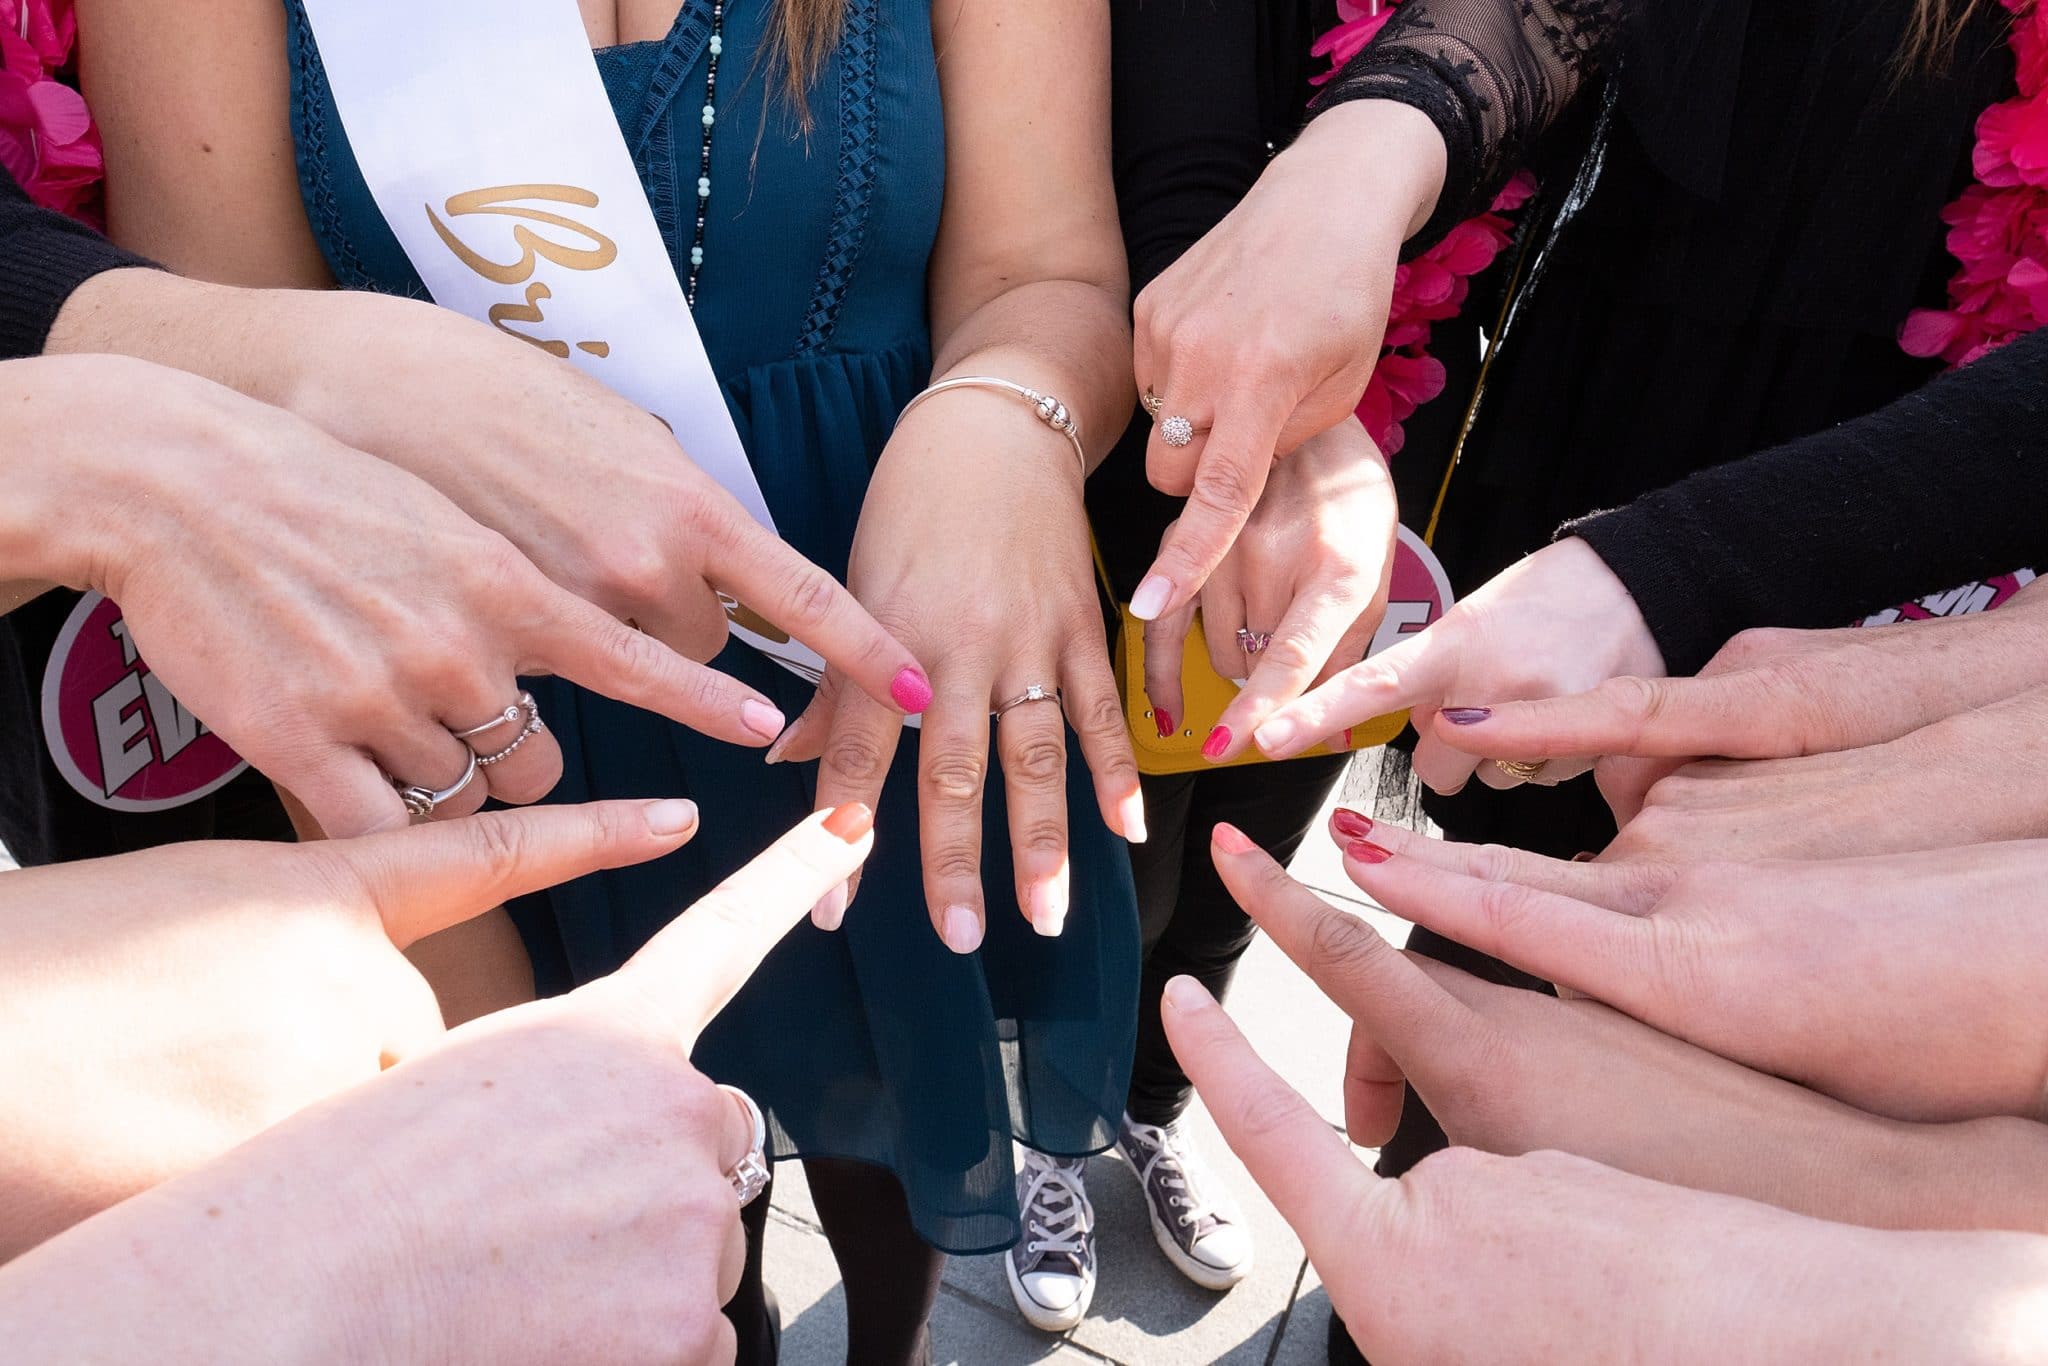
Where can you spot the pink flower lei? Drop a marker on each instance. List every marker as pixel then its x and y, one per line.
pixel 47 140
pixel 1998 227
pixel 1433 286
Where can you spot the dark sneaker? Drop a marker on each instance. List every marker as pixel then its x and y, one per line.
pixel 1052 1267
pixel 1194 1219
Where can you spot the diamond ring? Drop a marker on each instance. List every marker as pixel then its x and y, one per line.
pixel 1037 692
pixel 750 1174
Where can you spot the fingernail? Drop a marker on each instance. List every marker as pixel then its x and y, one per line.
pixel 911 690
pixel 1277 733
pixel 963 929
pixel 830 913
pixel 1230 839
pixel 1218 741
pixel 776 750
pixel 1163 719
pixel 1347 737
pixel 1130 813
pixel 762 719
pixel 1365 851
pixel 1049 907
pixel 850 821
pixel 1350 824
pixel 672 816
pixel 1152 596
pixel 1465 716
pixel 1185 993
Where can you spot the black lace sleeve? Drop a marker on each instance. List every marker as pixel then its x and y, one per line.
pixel 1492 75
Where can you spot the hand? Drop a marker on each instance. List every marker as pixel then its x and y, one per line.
pixel 591 489
pixel 1512 1071
pixel 161 1007
pixel 1265 332
pixel 549 1185
pixel 331 617
pixel 1977 776
pixel 1558 622
pixel 1312 568
pixel 973 545
pixel 1772 694
pixel 1905 985
pixel 1553 1258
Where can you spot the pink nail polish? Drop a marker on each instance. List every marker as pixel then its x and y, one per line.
pixel 1350 824
pixel 1218 741
pixel 911 690
pixel 762 719
pixel 1163 719
pixel 1365 851
pixel 1152 596
pixel 1230 839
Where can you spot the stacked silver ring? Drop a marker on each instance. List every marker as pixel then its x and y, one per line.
pixel 421 801
pixel 526 712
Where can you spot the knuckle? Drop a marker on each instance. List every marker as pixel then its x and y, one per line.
pixel 954 777
pixel 1505 907
pixel 809 596
pixel 1272 1109
pixel 1494 862
pixel 634 570
pixel 1101 714
pixel 953 862
pixel 1043 836
pixel 1641 700
pixel 1341 945
pixel 856 757
pixel 499 846
pixel 1040 761
pixel 1222 487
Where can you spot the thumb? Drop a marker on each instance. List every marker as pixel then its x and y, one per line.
pixel 690 970
pixel 429 877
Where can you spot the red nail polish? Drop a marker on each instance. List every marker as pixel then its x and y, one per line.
pixel 1231 840
pixel 1347 737
pixel 1350 824
pixel 1163 719
pixel 1218 741
pixel 850 821
pixel 911 690
pixel 1365 851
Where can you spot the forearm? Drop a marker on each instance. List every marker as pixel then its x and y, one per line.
pixel 1068 338
pixel 1979 1174
pixel 1937 489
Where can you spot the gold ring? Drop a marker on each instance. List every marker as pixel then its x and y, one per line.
pixel 1152 403
pixel 1521 769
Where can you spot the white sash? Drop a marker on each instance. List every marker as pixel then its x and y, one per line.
pixel 484 132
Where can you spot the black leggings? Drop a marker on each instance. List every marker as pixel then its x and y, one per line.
pixel 1189 923
pixel 890 1274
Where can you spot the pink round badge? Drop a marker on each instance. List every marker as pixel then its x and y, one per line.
pixel 116 733
pixel 1419 594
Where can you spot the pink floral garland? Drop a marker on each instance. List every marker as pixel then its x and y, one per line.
pixel 1433 286
pixel 47 140
pixel 1998 228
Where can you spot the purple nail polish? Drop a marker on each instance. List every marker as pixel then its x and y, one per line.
pixel 1465 716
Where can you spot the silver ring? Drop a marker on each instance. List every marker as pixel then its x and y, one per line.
pixel 1151 402
pixel 1251 642
pixel 1037 692
pixel 503 718
pixel 750 1174
pixel 1522 770
pixel 533 726
pixel 421 801
pixel 1177 431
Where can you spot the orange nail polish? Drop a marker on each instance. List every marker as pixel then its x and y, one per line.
pixel 850 821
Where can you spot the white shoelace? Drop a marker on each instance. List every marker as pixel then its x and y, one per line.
pixel 1183 1173
pixel 1057 1211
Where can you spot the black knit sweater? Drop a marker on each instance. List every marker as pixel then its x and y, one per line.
pixel 44 256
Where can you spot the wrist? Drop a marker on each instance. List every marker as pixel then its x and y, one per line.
pixel 1389 154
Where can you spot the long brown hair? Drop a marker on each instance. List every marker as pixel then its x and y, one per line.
pixel 1932 34
pixel 802 35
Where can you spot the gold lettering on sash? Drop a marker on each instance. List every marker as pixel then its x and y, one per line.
pixel 751 620
pixel 529 312
pixel 533 247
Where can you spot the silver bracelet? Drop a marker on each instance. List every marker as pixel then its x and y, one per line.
pixel 1050 410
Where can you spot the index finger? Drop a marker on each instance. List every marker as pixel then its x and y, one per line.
pixel 700 960
pixel 1315 625
pixel 768 577
pixel 1371 980
pixel 1303 1165
pixel 1236 458
pixel 1728 715
pixel 1415 672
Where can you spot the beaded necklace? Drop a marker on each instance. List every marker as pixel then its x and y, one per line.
pixel 716 48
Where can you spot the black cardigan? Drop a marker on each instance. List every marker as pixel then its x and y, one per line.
pixel 44 257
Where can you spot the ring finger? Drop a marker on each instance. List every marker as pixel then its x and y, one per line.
pixel 427 756
pixel 1031 740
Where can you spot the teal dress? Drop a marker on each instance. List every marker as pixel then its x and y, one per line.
pixel 873 1043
